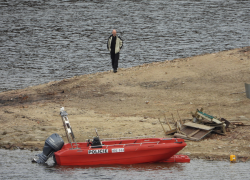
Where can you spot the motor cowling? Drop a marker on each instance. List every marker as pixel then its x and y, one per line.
pixel 52 144
pixel 96 141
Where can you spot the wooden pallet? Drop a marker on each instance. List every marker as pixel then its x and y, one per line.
pixel 193 131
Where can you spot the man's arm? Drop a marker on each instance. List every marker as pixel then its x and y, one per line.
pixel 120 43
pixel 108 43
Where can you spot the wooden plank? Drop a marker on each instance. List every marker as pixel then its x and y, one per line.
pixel 178 135
pixel 198 136
pixel 201 134
pixel 171 131
pixel 198 126
pixel 216 121
pixel 195 132
pixel 161 125
pixel 167 122
pixel 187 130
pixel 204 116
pixel 237 123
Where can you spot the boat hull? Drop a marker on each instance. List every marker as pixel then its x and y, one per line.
pixel 131 151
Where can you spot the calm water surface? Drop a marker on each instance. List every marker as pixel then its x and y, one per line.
pixel 17 164
pixel 47 40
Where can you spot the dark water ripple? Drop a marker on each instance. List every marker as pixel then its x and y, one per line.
pixel 42 41
pixel 17 164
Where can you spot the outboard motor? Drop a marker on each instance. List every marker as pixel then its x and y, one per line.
pixel 52 144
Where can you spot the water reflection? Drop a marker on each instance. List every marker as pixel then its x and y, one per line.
pixel 133 167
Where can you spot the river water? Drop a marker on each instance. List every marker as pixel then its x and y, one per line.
pixel 16 164
pixel 47 40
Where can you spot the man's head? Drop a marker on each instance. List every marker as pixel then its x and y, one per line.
pixel 114 32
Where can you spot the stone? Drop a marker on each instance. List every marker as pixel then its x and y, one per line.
pixel 4 142
pixel 48 128
pixel 242 117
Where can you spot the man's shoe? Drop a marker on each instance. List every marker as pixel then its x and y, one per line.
pixel 115 71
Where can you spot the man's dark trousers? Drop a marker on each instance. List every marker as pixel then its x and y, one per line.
pixel 115 58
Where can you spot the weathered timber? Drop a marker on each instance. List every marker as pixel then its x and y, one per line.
pixel 208 117
pixel 178 135
pixel 198 126
pixel 171 131
pixel 195 132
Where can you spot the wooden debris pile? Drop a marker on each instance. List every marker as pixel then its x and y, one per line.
pixel 198 127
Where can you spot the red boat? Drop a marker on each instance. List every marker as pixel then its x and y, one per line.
pixel 130 151
pixel 123 151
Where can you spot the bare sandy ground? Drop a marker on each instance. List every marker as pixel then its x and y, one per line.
pixel 130 102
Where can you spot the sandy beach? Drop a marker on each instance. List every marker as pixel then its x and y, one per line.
pixel 130 103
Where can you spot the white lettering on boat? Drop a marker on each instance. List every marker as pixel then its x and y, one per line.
pixel 117 150
pixel 98 151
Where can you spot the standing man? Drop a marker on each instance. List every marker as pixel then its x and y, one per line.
pixel 114 46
